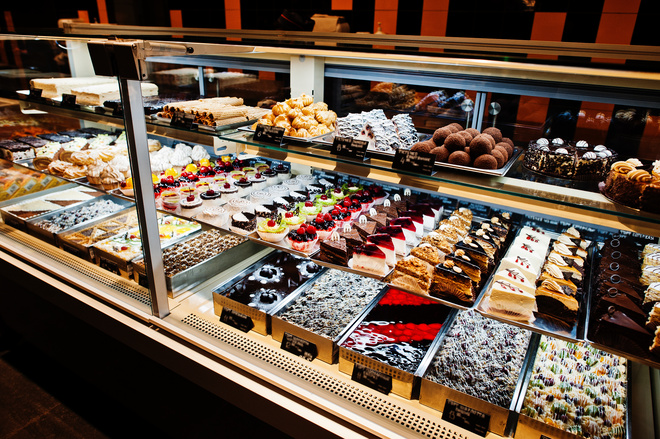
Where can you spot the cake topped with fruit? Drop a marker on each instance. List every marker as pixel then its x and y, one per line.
pixel 272 230
pixel 324 225
pixel 303 238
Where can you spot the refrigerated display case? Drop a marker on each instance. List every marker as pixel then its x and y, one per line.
pixel 218 345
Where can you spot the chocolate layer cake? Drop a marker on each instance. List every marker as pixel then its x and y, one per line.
pixel 451 283
pixel 335 252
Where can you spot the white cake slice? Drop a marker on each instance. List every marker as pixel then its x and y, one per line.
pixel 512 302
pixel 521 264
pixel 54 87
pixel 515 277
pixel 534 255
pixel 96 95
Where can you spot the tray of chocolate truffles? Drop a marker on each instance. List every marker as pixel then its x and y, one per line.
pixel 17 211
pixel 574 390
pixel 453 263
pixel 192 261
pixel 259 291
pixel 49 226
pixel 625 301
pixel 324 310
pixel 392 340
pixel 542 283
pixel 479 363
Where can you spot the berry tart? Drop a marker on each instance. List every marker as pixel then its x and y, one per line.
pixel 272 231
pixel 341 216
pixel 303 239
pixel 354 207
pixel 365 198
pixel 324 225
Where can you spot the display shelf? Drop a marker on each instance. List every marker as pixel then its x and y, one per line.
pixel 515 193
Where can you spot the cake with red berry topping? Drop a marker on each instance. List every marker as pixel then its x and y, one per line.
pixel 409 228
pixel 324 225
pixel 303 238
pixel 370 258
pixel 398 238
pixel 384 242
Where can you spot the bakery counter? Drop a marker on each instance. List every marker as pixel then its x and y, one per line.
pixel 578 204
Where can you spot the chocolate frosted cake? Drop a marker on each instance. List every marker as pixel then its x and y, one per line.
pixel 566 159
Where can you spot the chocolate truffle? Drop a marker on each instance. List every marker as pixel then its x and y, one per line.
pixel 460 158
pixel 502 151
pixel 451 127
pixel 441 153
pixel 507 147
pixel 495 132
pixel 457 125
pixel 473 131
pixel 509 141
pixel 455 142
pixel 480 145
pixel 489 137
pixel 467 136
pixel 485 161
pixel 425 146
pixel 440 135
pixel 499 157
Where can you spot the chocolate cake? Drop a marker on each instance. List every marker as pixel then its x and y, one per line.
pixel 335 252
pixel 615 329
pixel 451 283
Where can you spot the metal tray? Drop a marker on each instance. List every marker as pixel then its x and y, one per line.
pixel 124 267
pixel 328 349
pixel 528 427
pixel 502 419
pixel 282 245
pixel 194 276
pixel 52 237
pixel 575 333
pixel 404 384
pixel 260 319
pixel 328 139
pixel 20 223
pixel 314 139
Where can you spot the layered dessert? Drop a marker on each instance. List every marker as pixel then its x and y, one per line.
pixel 332 302
pixel 578 389
pixel 70 218
pixel 51 202
pixel 561 158
pixel 399 330
pixel 633 184
pixel 489 372
pixel 194 251
pixel 110 227
pixel 279 275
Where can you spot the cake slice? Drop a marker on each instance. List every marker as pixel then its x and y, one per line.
pixel 462 260
pixel 365 228
pixel 654 318
pixel 566 260
pixel 551 301
pixel 451 283
pixel 353 239
pixel 512 302
pixel 514 276
pixel 520 263
pixel 369 257
pixel 439 242
pixel 565 272
pixel 476 253
pixel 650 248
pixel 409 228
pixel 552 273
pixel 417 219
pixel 651 260
pixel 428 253
pixel 614 328
pixel 652 293
pixel 380 219
pixel 335 252
pixel 384 242
pixel 413 274
pixel 398 238
pixel 650 275
pixel 533 256
pixel 428 214
pixel 569 250
pixel 620 302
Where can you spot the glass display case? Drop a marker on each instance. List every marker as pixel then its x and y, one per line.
pixel 331 272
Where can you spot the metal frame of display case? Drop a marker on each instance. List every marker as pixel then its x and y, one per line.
pixel 245 360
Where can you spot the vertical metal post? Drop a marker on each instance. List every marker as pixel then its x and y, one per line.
pixel 307 76
pixel 202 84
pixel 479 108
pixel 138 153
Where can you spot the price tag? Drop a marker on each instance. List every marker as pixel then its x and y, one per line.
pixel 69 100
pixel 35 93
pixel 374 379
pixel 269 134
pixel 183 120
pixel 299 346
pixel 109 265
pixel 414 161
pixel 466 417
pixel 236 319
pixel 350 147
